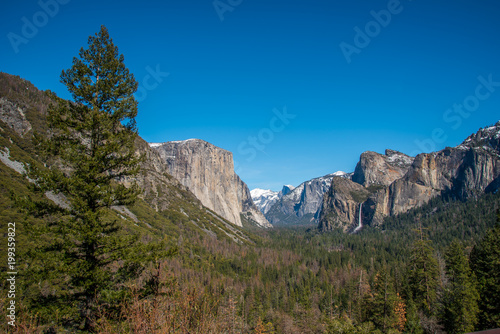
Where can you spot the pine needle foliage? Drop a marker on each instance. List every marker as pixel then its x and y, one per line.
pixel 90 148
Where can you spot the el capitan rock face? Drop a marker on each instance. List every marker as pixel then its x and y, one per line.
pixel 154 180
pixel 397 183
pixel 208 172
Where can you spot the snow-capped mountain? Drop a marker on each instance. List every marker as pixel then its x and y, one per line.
pixel 264 199
pixel 301 205
pixel 487 139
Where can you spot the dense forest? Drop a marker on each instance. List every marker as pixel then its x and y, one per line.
pixel 411 278
pixel 84 267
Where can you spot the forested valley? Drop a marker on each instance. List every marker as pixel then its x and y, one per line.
pixel 96 254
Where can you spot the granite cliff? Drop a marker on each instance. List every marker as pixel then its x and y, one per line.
pixel 164 207
pixel 208 172
pixel 395 182
pixel 377 169
pixel 341 204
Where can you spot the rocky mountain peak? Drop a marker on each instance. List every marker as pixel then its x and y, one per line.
pixel 264 198
pixel 377 169
pixel 396 182
pixel 487 139
pixel 208 172
pixel 287 189
pixel 300 205
pixel 396 158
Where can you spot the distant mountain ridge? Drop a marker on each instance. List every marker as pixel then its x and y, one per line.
pixel 301 205
pixel 195 171
pixel 394 183
pixel 264 199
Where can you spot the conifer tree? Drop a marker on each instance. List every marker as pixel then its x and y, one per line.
pixel 91 147
pixel 422 275
pixel 485 263
pixel 460 297
pixel 412 325
pixel 386 308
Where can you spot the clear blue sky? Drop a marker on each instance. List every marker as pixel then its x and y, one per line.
pixel 227 76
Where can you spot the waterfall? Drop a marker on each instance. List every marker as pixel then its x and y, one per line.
pixel 360 224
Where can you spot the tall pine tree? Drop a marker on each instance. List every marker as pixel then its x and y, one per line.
pixel 422 275
pixel 460 297
pixel 386 308
pixel 91 148
pixel 485 262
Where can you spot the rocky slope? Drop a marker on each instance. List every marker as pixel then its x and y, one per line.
pixel 397 183
pixel 165 206
pixel 208 172
pixel 13 116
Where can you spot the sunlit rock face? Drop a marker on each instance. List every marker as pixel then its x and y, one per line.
pixel 397 183
pixel 208 172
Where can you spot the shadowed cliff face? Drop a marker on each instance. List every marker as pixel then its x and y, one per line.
pixel 208 171
pixel 341 204
pixel 396 183
pixel 300 205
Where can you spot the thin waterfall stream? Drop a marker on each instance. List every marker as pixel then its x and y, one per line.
pixel 360 224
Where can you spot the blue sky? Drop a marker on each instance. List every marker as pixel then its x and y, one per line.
pixel 295 89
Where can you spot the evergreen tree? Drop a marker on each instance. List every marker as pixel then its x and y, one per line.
pixel 422 275
pixel 386 308
pixel 485 263
pixel 461 296
pixel 91 147
pixel 412 325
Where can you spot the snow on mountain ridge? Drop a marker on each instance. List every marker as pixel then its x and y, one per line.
pixel 264 198
pixel 173 141
pixel 257 192
pixel 483 138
